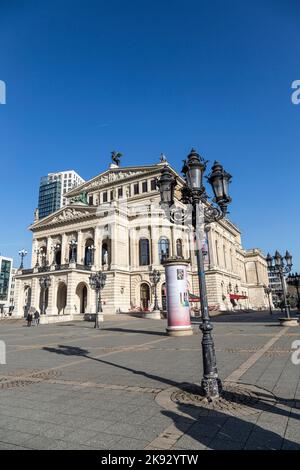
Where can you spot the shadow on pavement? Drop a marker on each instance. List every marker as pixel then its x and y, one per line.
pixel 259 405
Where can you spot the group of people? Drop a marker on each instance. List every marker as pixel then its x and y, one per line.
pixel 33 317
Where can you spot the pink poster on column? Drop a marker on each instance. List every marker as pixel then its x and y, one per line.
pixel 177 296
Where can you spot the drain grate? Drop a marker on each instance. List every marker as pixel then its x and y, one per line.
pixel 236 399
pixel 23 377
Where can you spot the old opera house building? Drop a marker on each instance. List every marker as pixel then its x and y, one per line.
pixel 113 222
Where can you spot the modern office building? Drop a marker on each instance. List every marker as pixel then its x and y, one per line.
pixel 12 288
pixel 53 188
pixel 5 283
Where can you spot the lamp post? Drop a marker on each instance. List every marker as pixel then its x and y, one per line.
pixel 268 292
pixel 73 245
pixel 22 254
pixel 294 280
pixel 281 265
pixel 154 279
pixel 45 283
pixel 194 195
pixel 97 282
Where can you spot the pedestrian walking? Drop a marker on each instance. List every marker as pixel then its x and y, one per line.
pixel 29 317
pixel 37 317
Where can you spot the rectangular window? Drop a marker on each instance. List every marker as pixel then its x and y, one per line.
pixel 111 195
pixel 105 197
pixel 136 188
pixel 90 200
pixel 144 186
pixel 120 192
pixel 153 185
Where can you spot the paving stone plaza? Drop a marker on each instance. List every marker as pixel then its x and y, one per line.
pixel 69 386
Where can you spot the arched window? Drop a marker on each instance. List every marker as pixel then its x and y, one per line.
pixel 163 249
pixel 144 252
pixel 89 252
pixel 179 250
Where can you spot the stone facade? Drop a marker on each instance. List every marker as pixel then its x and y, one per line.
pixel 124 231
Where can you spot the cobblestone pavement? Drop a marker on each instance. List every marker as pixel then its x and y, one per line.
pixel 69 386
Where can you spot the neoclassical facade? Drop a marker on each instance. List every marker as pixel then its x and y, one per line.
pixel 114 223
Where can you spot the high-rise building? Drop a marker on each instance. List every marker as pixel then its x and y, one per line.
pixel 53 188
pixel 5 283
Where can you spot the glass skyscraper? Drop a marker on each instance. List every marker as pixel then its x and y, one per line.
pixel 49 196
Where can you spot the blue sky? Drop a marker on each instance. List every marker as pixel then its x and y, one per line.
pixel 85 77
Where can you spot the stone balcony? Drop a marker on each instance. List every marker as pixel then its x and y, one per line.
pixel 56 267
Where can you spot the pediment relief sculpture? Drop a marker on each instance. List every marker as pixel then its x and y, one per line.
pixel 69 214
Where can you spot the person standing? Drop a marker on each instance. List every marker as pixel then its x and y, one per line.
pixel 29 317
pixel 37 317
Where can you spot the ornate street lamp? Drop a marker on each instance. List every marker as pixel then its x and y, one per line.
pixel 281 265
pixel 45 283
pixel 268 292
pixel 294 280
pixel 97 282
pixel 73 245
pixel 166 185
pixel 193 193
pixel 154 279
pixel 22 254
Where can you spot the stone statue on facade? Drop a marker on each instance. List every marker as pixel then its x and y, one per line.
pixel 105 257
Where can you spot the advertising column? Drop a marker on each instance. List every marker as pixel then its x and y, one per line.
pixel 178 307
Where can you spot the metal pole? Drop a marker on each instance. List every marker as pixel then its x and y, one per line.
pixel 44 301
pixel 97 308
pixel 286 307
pixel 270 306
pixel 211 384
pixel 156 307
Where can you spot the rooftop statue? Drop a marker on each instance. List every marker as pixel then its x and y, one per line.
pixel 116 157
pixel 82 198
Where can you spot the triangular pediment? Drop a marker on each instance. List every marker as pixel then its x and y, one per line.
pixel 64 215
pixel 113 175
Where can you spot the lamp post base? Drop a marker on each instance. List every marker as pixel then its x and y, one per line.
pixel 292 321
pixel 179 330
pixel 154 315
pixel 211 388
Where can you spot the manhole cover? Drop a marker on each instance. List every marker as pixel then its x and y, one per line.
pixel 23 377
pixel 236 399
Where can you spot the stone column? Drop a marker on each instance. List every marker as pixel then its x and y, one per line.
pixel 19 308
pixel 35 293
pixel 33 254
pixel 71 294
pixel 49 253
pixel 51 310
pixel 80 248
pixel 64 249
pixel 97 252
